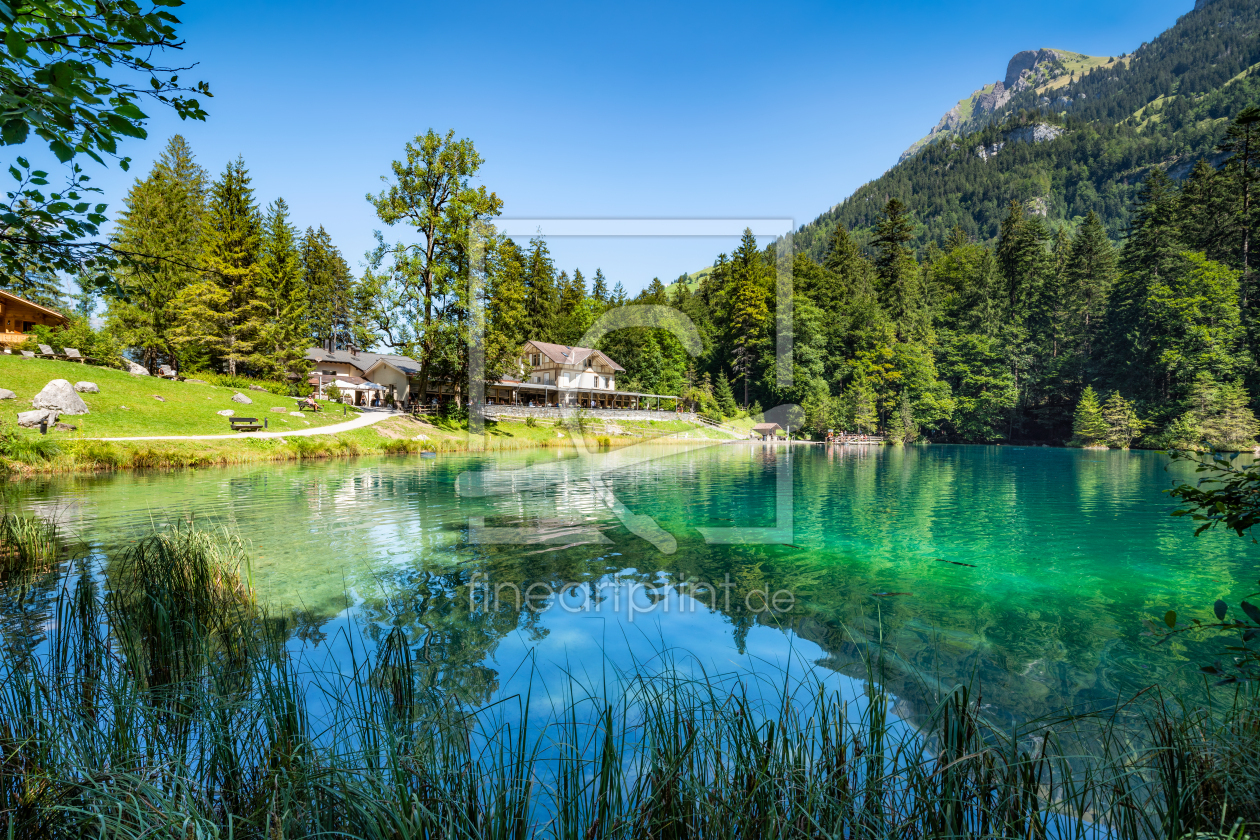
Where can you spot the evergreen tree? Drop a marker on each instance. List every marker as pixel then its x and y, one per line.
pixel 30 279
pixel 220 314
pixel 724 397
pixel 895 267
pixel 542 298
pixel 162 218
pixel 282 338
pixel 1221 415
pixel 332 317
pixel 1123 424
pixel 1088 426
pixel 599 288
pixel 748 300
pixel 508 319
pixel 1089 272
pixel 1242 144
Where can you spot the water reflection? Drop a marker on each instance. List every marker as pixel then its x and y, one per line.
pixel 1027 571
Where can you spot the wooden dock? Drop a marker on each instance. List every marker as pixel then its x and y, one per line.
pixel 857 440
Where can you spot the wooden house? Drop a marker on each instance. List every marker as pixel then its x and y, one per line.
pixel 18 316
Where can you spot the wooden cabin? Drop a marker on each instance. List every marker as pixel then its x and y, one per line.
pixel 18 316
pixel 766 431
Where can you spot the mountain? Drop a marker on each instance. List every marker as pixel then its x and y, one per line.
pixel 1043 70
pixel 1068 133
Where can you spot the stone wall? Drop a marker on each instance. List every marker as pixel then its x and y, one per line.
pixel 494 412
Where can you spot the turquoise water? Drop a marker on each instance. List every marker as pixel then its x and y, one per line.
pixel 1027 571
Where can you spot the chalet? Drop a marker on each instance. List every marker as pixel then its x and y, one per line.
pixel 560 375
pixel 19 316
pixel 366 376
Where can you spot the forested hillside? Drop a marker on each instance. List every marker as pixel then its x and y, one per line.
pixel 1166 103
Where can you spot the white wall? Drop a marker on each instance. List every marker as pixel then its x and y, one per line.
pixel 386 375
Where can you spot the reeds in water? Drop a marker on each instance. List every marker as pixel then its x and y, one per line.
pixel 167 704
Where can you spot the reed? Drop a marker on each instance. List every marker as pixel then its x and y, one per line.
pixel 166 703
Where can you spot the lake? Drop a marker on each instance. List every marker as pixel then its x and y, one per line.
pixel 1025 571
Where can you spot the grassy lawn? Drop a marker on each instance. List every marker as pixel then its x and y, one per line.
pixel 127 405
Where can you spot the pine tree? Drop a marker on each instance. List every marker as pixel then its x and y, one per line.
pixel 220 314
pixel 282 338
pixel 1089 273
pixel 599 289
pixel 34 281
pixel 508 322
pixel 542 298
pixel 1123 424
pixel 1242 144
pixel 1023 259
pixel 896 269
pixel 1221 413
pixel 1088 426
pixel 724 396
pixel 748 297
pixel 161 220
pixel 330 292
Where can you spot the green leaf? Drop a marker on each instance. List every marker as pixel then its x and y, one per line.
pixel 60 149
pixel 6 12
pixel 1170 618
pixel 14 43
pixel 14 131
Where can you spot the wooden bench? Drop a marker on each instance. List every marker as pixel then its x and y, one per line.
pixel 247 424
pixel 303 406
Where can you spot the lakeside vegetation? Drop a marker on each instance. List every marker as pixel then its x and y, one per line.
pixel 170 674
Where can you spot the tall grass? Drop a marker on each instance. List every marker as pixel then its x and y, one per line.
pixel 166 703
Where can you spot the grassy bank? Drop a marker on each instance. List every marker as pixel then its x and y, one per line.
pixel 165 703
pixel 25 452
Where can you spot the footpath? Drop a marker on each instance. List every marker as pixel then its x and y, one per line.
pixel 367 418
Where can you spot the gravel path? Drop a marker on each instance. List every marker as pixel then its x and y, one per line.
pixel 367 418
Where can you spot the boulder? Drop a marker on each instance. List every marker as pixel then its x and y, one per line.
pixel 227 412
pixel 60 396
pixel 6 394
pixel 257 388
pixel 159 399
pixel 135 369
pixel 30 419
pixel 279 409
pixel 65 427
pixel 87 388
pixel 295 414
pixel 242 399
pixel 196 381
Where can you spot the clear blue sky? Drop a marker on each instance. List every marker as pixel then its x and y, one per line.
pixel 603 109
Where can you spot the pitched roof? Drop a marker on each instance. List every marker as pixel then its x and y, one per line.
pixel 766 427
pixel 363 361
pixel 562 354
pixel 4 294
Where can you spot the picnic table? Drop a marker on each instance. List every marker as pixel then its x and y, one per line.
pixel 247 424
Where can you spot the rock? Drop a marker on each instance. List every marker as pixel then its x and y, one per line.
pixel 159 399
pixel 197 381
pixel 257 388
pixel 87 388
pixel 242 399
pixel 227 412
pixel 65 427
pixel 30 419
pixel 6 394
pixel 279 409
pixel 60 396
pixel 295 414
pixel 135 369
pixel 421 437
